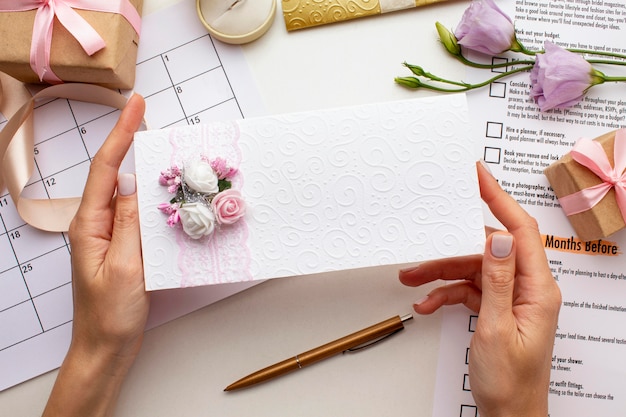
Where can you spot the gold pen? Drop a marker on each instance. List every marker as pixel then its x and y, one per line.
pixel 353 341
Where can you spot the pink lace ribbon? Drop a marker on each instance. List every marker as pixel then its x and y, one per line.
pixel 591 155
pixel 84 33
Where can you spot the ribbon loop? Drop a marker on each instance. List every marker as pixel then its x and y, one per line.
pixel 16 148
pixel 591 155
pixel 77 26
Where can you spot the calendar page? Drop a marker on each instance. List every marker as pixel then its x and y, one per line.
pixel 186 78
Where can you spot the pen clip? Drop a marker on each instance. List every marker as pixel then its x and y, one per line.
pixel 373 342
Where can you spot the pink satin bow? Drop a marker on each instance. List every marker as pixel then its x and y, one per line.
pixel 590 154
pixel 86 35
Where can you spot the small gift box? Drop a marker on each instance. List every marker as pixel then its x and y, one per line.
pixel 86 41
pixel 590 183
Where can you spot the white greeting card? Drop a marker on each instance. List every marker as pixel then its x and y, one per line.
pixel 327 190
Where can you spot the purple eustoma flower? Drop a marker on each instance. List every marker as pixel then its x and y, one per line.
pixel 485 28
pixel 561 78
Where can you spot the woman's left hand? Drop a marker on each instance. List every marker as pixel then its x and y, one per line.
pixel 110 303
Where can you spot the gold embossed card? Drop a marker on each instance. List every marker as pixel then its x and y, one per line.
pixel 300 14
pixel 329 190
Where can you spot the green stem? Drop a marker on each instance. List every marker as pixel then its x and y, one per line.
pixel 419 71
pixel 614 79
pixel 604 61
pixel 601 53
pixel 499 76
pixel 491 66
pixel 414 82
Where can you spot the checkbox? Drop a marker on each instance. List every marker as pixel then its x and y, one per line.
pixel 466 384
pixel 498 60
pixel 472 324
pixel 492 155
pixel 494 130
pixel 469 410
pixel 497 89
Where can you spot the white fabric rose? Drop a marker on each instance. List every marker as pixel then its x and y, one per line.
pixel 197 219
pixel 200 177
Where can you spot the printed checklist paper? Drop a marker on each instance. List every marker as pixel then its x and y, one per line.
pixel 519 141
pixel 338 189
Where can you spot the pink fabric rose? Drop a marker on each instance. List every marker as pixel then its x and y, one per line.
pixel 561 78
pixel 228 206
pixel 485 28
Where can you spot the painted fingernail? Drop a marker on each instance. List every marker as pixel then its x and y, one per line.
pixel 421 300
pixel 485 165
pixel 126 184
pixel 409 269
pixel 501 245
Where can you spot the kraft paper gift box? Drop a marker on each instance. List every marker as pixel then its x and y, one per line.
pixel 567 177
pixel 113 66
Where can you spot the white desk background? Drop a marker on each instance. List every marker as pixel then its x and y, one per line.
pixel 185 364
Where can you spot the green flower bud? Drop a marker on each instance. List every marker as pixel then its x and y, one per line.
pixel 415 69
pixel 410 82
pixel 448 39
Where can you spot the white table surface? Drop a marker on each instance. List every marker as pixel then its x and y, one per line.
pixel 185 364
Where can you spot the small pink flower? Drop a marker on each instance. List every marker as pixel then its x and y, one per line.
pixel 172 210
pixel 222 169
pixel 169 175
pixel 167 208
pixel 173 219
pixel 561 78
pixel 485 28
pixel 228 206
pixel 170 178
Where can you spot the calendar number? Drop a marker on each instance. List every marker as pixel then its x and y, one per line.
pixel 50 182
pixel 83 130
pixel 36 151
pixel 26 268
pixel 4 202
pixel 15 235
pixel 179 89
pixel 194 120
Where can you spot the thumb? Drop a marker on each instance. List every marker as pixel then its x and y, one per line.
pixel 126 236
pixel 498 277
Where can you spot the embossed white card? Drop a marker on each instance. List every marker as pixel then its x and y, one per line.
pixel 337 189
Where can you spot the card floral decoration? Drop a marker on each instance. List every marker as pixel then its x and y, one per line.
pixel 559 78
pixel 203 198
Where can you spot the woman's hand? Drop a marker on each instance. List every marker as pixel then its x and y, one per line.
pixel 518 300
pixel 110 303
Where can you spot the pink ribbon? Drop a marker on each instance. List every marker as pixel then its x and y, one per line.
pixel 591 155
pixel 84 33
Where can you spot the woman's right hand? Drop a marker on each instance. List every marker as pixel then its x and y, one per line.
pixel 512 287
